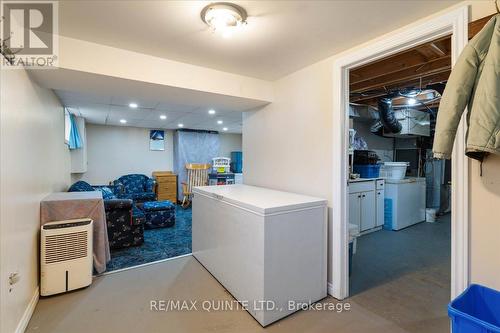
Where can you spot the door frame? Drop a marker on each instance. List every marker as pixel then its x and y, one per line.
pixel 454 22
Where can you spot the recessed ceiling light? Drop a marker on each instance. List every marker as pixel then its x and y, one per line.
pixel 163 117
pixel 123 121
pixel 180 125
pixel 224 17
pixel 220 122
pixel 133 105
pixel 224 129
pixel 211 111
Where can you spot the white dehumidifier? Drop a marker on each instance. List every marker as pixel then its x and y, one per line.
pixel 65 256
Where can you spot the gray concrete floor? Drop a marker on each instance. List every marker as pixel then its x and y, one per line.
pixel 404 276
pixel 120 302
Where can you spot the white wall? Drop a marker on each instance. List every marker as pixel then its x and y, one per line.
pixel 228 143
pixel 484 198
pixel 34 162
pixel 79 55
pixel 287 145
pixel 114 151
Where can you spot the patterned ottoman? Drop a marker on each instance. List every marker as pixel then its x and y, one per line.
pixel 159 214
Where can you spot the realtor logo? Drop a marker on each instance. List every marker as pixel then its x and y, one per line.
pixel 29 34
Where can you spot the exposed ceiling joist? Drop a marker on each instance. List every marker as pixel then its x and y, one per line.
pixel 419 66
pixel 398 62
pixel 440 52
pixel 476 26
pixel 423 71
pixel 371 98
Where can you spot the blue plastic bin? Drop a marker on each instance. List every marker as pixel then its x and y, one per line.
pixel 476 310
pixel 367 170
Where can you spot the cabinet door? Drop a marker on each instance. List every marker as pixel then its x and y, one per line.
pixel 380 208
pixel 368 214
pixel 355 209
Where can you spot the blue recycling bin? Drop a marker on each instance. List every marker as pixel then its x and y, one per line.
pixel 476 310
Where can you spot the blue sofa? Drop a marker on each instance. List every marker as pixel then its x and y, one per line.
pixel 139 188
pixel 125 222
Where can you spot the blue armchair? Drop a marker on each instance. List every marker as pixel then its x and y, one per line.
pixel 139 188
pixel 125 222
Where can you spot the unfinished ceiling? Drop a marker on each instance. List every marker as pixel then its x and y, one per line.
pixel 418 67
pixel 280 38
pixel 424 65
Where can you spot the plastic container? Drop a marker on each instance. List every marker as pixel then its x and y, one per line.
pixel 351 250
pixel 237 162
pixel 367 170
pixel 430 215
pixel 236 156
pixel 476 310
pixel 395 170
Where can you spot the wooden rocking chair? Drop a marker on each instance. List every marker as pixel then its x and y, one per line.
pixel 197 175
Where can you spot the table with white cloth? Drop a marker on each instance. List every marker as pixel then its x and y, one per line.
pixel 75 205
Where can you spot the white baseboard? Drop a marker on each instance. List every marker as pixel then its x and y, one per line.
pixel 25 319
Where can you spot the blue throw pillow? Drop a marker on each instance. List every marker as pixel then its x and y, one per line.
pixel 81 186
pixel 106 192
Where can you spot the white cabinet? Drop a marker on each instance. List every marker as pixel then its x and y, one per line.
pixel 262 245
pixel 355 209
pixel 367 211
pixel 366 204
pixel 380 208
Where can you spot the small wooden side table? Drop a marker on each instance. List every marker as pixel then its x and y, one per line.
pixel 166 185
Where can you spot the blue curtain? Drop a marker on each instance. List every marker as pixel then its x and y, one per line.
pixel 75 141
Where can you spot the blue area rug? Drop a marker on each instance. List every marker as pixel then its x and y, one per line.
pixel 158 244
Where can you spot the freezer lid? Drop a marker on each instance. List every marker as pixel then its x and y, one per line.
pixel 258 199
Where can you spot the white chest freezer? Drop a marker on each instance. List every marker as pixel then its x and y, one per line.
pixel 404 202
pixel 267 248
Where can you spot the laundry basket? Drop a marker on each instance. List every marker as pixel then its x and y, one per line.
pixel 394 170
pixel 476 310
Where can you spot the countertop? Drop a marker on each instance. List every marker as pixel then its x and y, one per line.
pixel 364 179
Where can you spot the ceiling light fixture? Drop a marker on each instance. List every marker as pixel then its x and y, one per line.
pixel 224 17
pixel 220 122
pixel 163 117
pixel 123 121
pixel 211 111
pixel 412 101
pixel 180 125
pixel 224 129
pixel 133 105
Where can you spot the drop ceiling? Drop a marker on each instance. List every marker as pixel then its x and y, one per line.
pixel 109 110
pixel 280 38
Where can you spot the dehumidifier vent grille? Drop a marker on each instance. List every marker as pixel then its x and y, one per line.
pixel 65 247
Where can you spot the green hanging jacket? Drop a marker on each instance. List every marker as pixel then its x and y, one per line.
pixel 474 82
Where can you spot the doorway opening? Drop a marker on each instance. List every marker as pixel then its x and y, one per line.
pixel 453 23
pixel 399 196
